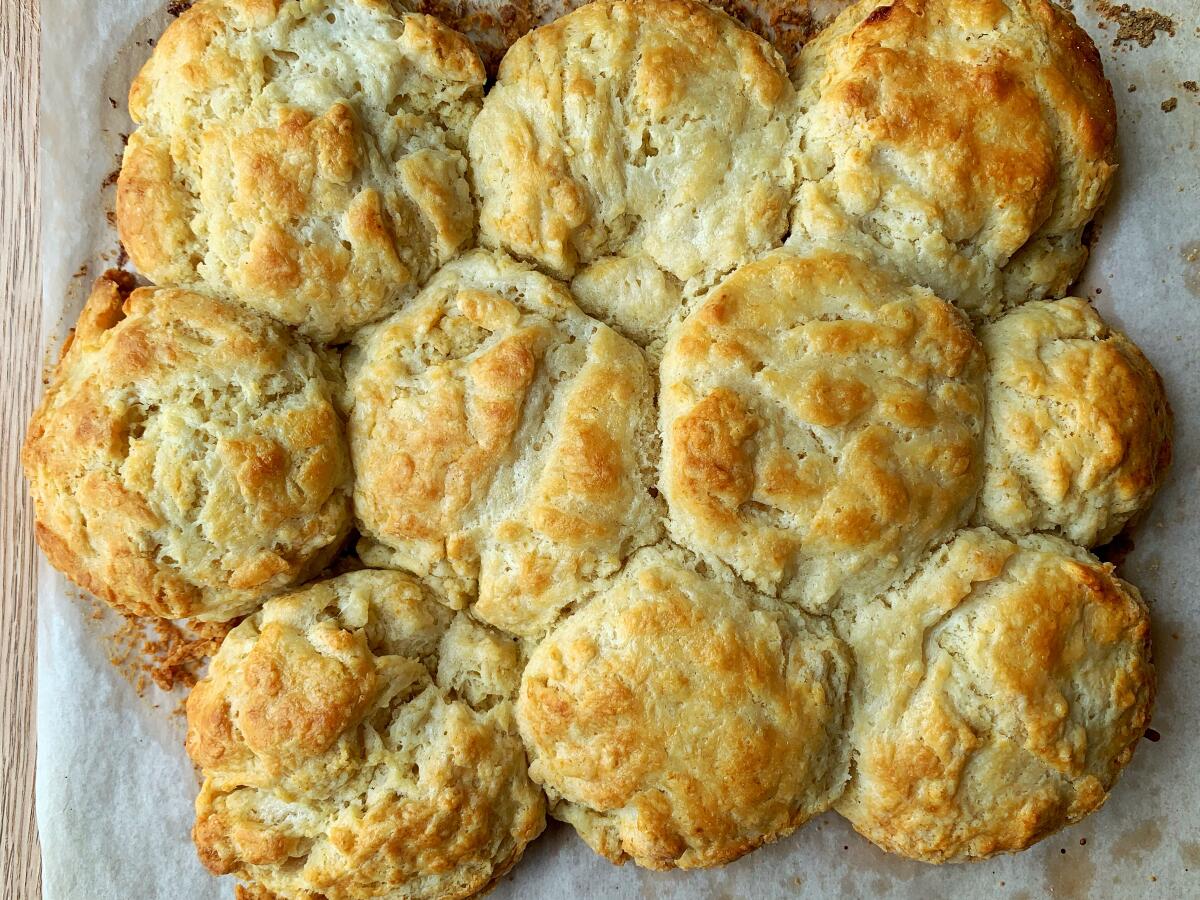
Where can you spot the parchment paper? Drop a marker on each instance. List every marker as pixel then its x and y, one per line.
pixel 114 787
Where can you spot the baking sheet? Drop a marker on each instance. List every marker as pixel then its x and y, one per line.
pixel 114 787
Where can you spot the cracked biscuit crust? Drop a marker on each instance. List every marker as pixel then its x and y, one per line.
pixel 188 459
pixel 821 425
pixel 347 751
pixel 681 721
pixel 997 697
pixel 1079 429
pixel 642 127
pixel 304 156
pixel 503 443
pixel 966 142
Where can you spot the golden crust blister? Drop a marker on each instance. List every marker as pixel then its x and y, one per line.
pixel 679 549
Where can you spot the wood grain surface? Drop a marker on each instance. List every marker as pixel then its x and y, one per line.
pixel 20 369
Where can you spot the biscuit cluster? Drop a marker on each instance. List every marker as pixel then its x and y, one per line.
pixel 707 440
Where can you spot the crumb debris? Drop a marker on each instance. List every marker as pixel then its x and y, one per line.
pixel 164 653
pixel 179 7
pixel 786 25
pixel 1190 86
pixel 1169 104
pixel 492 30
pixel 1140 26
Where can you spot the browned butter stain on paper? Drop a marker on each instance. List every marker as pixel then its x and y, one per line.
pixel 1070 876
pixel 1139 841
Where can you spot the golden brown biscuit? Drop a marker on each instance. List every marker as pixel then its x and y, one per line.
pixel 821 423
pixel 967 142
pixel 503 443
pixel 645 127
pixel 996 698
pixel 1079 431
pixel 681 721
pixel 339 758
pixel 187 459
pixel 304 156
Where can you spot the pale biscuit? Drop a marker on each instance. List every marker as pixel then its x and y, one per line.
pixel 996 697
pixel 967 142
pixel 188 459
pixel 503 443
pixel 639 127
pixel 821 425
pixel 631 294
pixel 1079 430
pixel 304 156
pixel 340 760
pixel 682 721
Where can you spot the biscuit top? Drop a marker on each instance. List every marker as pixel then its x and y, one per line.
pixel 304 156
pixel 503 443
pixel 681 721
pixel 966 141
pixel 658 127
pixel 821 423
pixel 347 752
pixel 633 295
pixel 1079 430
pixel 187 459
pixel 996 697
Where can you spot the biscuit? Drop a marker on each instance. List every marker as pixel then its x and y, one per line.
pixel 821 425
pixel 996 697
pixel 636 127
pixel 188 459
pixel 503 443
pixel 631 294
pixel 967 142
pixel 339 760
pixel 680 721
pixel 304 156
pixel 1079 431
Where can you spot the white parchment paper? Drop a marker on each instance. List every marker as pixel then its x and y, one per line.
pixel 114 787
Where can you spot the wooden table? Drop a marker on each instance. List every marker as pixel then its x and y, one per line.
pixel 20 368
